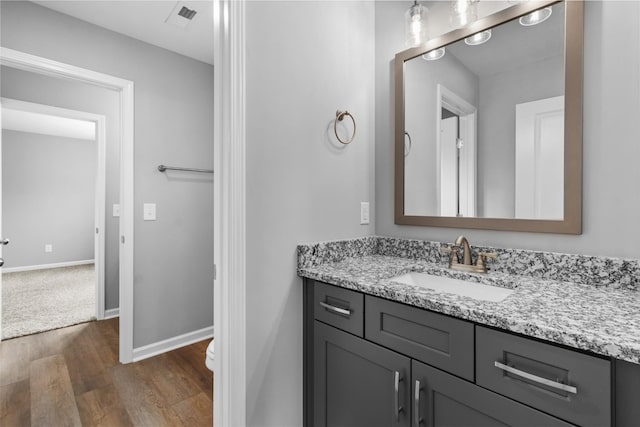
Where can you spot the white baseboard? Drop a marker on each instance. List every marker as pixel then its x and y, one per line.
pixel 110 314
pixel 46 266
pixel 164 346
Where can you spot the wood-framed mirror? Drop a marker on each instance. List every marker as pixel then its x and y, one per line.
pixel 490 136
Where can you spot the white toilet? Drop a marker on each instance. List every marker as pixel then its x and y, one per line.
pixel 209 358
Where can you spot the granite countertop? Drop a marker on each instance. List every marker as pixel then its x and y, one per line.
pixel 601 319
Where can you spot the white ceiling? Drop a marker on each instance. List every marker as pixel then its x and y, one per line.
pixel 145 20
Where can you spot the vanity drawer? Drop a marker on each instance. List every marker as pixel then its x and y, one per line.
pixel 440 341
pixel 339 307
pixel 518 368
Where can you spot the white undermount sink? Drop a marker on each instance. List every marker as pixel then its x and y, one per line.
pixel 449 285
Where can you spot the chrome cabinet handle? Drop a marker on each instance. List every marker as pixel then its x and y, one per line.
pixel 535 378
pixel 4 241
pixel 335 309
pixel 416 405
pixel 396 390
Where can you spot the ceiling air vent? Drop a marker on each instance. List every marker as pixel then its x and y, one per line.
pixel 187 13
pixel 182 15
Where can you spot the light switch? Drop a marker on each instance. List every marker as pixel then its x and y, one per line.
pixel 116 209
pixel 364 213
pixel 149 211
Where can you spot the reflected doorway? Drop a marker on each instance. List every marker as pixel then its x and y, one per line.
pixel 457 153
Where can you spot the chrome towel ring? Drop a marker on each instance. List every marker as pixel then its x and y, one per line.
pixel 339 117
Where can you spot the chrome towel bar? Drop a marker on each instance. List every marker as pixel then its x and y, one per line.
pixel 163 168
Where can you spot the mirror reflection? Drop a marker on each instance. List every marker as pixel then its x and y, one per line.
pixel 484 124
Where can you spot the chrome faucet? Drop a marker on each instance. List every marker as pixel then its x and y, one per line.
pixel 466 264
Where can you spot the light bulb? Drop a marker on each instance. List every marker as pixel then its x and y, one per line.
pixel 434 54
pixel 536 17
pixel 463 12
pixel 478 38
pixel 461 6
pixel 416 25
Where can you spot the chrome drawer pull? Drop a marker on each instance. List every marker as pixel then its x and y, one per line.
pixel 396 391
pixel 540 380
pixel 336 309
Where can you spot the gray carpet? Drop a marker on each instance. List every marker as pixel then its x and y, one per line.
pixel 41 300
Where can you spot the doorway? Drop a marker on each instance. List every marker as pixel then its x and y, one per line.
pixel 124 89
pixel 54 200
pixel 456 150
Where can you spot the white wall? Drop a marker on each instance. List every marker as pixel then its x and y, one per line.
pixel 173 268
pixel 611 127
pixel 305 60
pixel 48 197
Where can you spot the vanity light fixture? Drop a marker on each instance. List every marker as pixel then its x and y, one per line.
pixel 434 54
pixel 416 24
pixel 463 12
pixel 536 17
pixel 478 38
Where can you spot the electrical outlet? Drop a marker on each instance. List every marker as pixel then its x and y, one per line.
pixel 48 248
pixel 364 213
pixel 116 209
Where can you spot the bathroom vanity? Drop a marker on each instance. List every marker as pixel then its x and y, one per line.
pixel 397 332
pixel 552 352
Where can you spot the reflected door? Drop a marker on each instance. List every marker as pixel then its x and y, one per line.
pixel 540 159
pixel 449 177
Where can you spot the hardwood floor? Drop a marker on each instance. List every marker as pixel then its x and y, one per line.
pixel 71 377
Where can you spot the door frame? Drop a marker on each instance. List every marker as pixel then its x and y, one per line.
pixel 35 64
pixel 229 213
pixel 100 184
pixel 466 112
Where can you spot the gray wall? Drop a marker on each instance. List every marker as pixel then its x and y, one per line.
pixel 173 269
pixel 305 60
pixel 48 195
pixel 611 127
pixel 499 94
pixel 31 87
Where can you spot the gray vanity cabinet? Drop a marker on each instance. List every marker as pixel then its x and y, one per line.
pixel 440 399
pixel 374 362
pixel 358 383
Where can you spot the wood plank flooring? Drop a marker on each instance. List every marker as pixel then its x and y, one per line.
pixel 71 377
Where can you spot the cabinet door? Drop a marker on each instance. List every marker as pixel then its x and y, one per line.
pixel 627 391
pixel 440 399
pixel 357 383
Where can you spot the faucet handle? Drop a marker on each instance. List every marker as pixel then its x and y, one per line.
pixel 483 257
pixel 453 251
pixel 488 255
